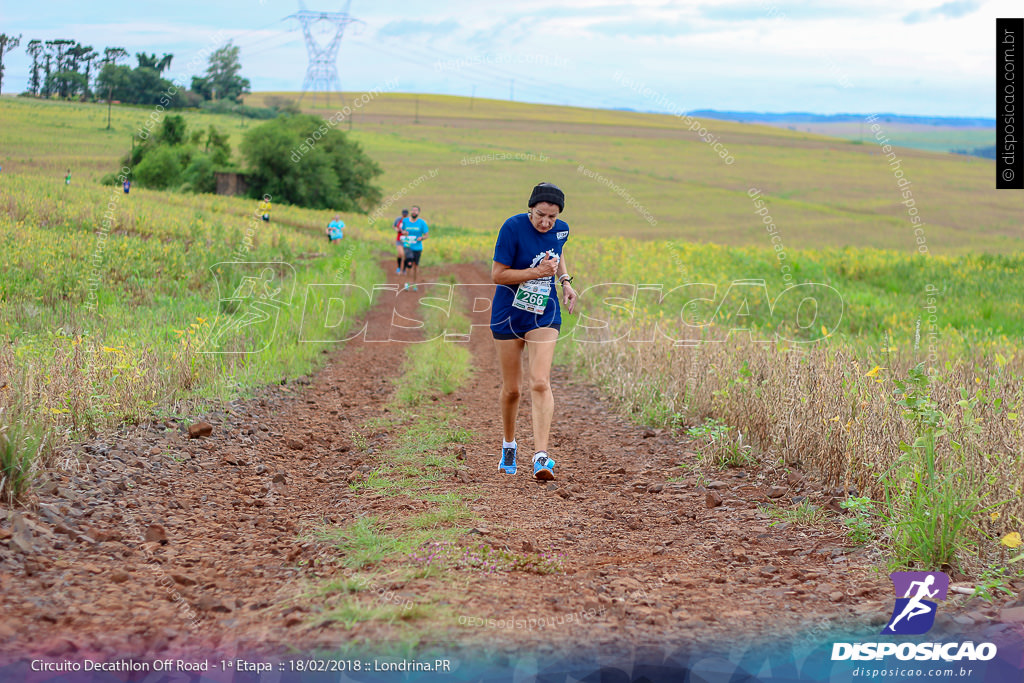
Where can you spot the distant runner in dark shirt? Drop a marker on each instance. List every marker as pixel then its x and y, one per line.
pixel 398 240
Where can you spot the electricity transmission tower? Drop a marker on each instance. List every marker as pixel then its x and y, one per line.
pixel 322 73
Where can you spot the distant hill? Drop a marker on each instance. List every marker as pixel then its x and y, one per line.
pixel 983 152
pixel 949 134
pixel 798 117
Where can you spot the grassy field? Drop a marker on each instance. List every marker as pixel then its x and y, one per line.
pixel 106 321
pixel 822 192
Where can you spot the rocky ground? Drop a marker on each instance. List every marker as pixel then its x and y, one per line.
pixel 199 535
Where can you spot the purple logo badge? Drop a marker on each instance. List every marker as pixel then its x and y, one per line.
pixel 916 593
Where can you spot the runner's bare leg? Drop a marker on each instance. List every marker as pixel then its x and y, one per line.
pixel 510 358
pixel 540 345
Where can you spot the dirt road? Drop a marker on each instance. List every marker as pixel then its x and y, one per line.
pixel 152 544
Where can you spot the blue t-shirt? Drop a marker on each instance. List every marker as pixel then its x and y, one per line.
pixel 335 228
pixel 415 228
pixel 520 246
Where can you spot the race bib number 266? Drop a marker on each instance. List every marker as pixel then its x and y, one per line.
pixel 532 296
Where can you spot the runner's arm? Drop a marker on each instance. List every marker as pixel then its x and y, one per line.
pixel 504 275
pixel 567 288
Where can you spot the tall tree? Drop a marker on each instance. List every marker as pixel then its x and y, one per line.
pixel 89 57
pixel 164 63
pixel 7 43
pixel 112 54
pixel 48 53
pixel 62 46
pixel 222 80
pixel 115 82
pixel 75 58
pixel 34 49
pixel 67 80
pixel 145 60
pixel 56 78
pixel 115 79
pixel 147 86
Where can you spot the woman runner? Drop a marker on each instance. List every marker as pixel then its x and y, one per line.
pixel 525 313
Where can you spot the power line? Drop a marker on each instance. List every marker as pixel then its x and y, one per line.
pixel 473 72
pixel 265 39
pixel 289 43
pixel 255 30
pixel 322 72
pixel 265 45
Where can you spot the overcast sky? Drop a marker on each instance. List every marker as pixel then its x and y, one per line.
pixel 917 57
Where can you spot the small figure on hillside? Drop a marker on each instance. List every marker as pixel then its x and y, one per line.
pixel 127 185
pixel 334 229
pixel 67 178
pixel 265 209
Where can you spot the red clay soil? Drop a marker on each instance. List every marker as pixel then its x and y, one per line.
pixel 151 542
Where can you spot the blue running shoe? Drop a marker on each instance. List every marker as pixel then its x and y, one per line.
pixel 398 271
pixel 508 461
pixel 543 466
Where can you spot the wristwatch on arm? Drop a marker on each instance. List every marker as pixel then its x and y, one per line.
pixel 565 279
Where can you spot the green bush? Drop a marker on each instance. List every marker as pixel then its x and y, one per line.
pixel 174 157
pixel 160 168
pixel 199 175
pixel 301 160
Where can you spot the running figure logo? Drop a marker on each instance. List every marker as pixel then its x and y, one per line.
pixel 251 297
pixel 914 612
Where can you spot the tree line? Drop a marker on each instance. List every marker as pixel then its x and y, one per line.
pixel 68 70
pixel 334 174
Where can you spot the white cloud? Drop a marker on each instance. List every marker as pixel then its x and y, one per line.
pixel 745 54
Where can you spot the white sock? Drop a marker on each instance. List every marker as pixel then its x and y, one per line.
pixel 508 444
pixel 539 454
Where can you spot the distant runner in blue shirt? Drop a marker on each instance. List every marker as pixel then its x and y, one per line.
pixel 334 229
pixel 414 231
pixel 528 260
